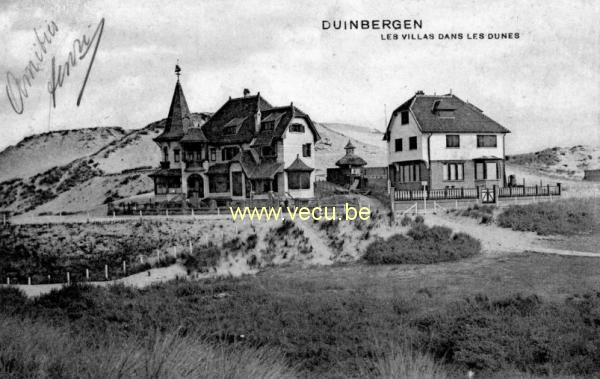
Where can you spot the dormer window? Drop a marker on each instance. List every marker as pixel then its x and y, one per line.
pixel 229 130
pixel 268 125
pixel 297 128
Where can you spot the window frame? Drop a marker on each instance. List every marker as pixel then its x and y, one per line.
pixel 404 118
pixel 213 154
pixel 306 150
pixel 303 129
pixel 484 170
pixel 448 145
pixel 176 155
pixel 447 171
pixel 299 184
pixel 398 142
pixel 481 139
pixel 410 143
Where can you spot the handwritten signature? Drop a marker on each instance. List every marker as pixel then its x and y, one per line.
pixel 17 88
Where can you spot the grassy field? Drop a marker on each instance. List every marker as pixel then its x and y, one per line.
pixel 517 313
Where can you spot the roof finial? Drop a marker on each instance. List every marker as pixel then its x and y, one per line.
pixel 177 70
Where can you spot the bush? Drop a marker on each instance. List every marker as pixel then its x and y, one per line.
pixel 423 245
pixel 565 217
pixel 406 220
pixel 419 219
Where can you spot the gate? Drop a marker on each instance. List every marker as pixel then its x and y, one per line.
pixel 488 195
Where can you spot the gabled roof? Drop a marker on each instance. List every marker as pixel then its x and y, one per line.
pixel 179 119
pixel 244 108
pixel 299 165
pixel 253 170
pixel 466 118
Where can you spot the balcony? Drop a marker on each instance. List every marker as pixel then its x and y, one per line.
pixel 165 164
pixel 194 165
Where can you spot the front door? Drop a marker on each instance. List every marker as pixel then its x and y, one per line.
pixel 236 183
pixel 195 187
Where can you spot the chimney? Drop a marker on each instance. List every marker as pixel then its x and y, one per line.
pixel 420 92
pixel 246 92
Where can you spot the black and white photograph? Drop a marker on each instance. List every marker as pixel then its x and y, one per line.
pixel 271 189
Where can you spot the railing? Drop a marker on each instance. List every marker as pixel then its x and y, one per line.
pixel 546 190
pixel 436 194
pixel 475 193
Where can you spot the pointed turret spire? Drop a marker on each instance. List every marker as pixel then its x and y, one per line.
pixel 179 118
pixel 349 148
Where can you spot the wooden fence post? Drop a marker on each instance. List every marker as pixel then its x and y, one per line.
pixel 68 277
pixel 559 189
pixel 29 280
pixel 191 249
pixel 106 272
pixel 8 281
pixel 124 268
pixel 87 274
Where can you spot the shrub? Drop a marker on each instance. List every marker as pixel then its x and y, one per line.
pixel 419 219
pixel 566 217
pixel 406 220
pixel 423 245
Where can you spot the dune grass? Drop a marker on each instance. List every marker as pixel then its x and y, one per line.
pixel 566 217
pixel 36 350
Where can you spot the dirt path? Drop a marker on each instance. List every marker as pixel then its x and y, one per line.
pixel 322 253
pixel 497 240
pixel 139 280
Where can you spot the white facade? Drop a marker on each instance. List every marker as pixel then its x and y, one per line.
pixel 291 147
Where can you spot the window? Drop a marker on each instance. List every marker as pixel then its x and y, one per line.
pixel 306 150
pixel 486 170
pixel 176 156
pixel 213 154
pixel 297 128
pixel 267 151
pixel 189 156
pixel 268 125
pixel 486 141
pixel 218 183
pixel 229 129
pixel 165 185
pixel 409 173
pixel 412 143
pixel 453 171
pixel 298 180
pixel 165 154
pixel 398 144
pixel 452 140
pixel 227 153
pixel 198 155
pixel 404 117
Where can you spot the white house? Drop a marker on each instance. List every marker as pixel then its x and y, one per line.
pixel 444 142
pixel 246 149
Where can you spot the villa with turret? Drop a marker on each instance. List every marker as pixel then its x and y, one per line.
pixel 248 149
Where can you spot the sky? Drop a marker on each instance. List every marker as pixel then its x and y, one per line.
pixel 543 86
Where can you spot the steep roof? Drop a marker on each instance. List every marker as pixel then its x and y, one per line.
pixel 351 160
pixel 179 118
pixel 194 135
pixel 349 145
pixel 243 111
pixel 465 118
pixel 264 170
pixel 299 165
